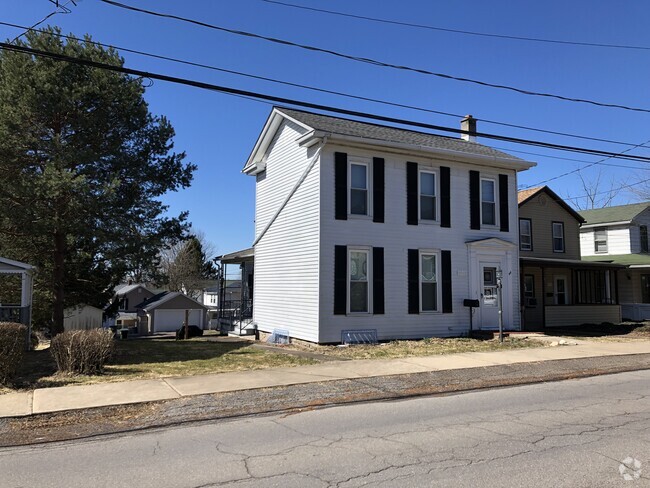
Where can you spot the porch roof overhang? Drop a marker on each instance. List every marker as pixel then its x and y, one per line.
pixel 10 266
pixel 243 256
pixel 568 263
pixel 627 260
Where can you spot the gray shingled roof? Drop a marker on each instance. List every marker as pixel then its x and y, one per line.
pixel 620 213
pixel 353 128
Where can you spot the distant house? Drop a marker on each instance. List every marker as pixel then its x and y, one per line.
pixel 82 317
pixel 619 235
pixel 557 287
pixel 165 312
pixel 122 311
pixel 20 310
pixel 365 228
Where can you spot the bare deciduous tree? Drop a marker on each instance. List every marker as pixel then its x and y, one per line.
pixel 596 193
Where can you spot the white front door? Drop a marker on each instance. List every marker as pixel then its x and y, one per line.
pixel 489 305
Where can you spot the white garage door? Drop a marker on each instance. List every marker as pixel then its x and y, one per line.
pixel 172 320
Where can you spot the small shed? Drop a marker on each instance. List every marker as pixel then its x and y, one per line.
pixel 165 312
pixel 82 317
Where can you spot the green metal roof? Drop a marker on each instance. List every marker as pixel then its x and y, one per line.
pixel 620 213
pixel 625 259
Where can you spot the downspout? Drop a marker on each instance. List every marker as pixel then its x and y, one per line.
pixel 293 190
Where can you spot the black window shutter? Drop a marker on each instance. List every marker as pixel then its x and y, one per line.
pixel 474 200
pixel 340 186
pixel 378 280
pixel 378 190
pixel 412 193
pixel 445 268
pixel 340 280
pixel 445 197
pixel 503 203
pixel 414 280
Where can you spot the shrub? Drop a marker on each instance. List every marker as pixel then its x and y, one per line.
pixel 12 349
pixel 82 351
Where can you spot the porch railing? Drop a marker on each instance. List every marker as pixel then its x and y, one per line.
pixel 236 313
pixel 14 313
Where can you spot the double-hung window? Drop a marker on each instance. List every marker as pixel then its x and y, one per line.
pixel 600 240
pixel 428 282
pixel 358 272
pixel 428 200
pixel 525 235
pixel 643 235
pixel 488 202
pixel 558 236
pixel 358 189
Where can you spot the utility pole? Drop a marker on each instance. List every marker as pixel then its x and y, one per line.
pixel 500 302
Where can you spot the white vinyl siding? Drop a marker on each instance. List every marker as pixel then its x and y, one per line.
pixel 396 237
pixel 287 257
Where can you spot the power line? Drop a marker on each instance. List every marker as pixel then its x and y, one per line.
pixel 60 9
pixel 299 103
pixel 570 159
pixel 557 177
pixel 458 31
pixel 312 88
pixel 374 62
pixel 612 190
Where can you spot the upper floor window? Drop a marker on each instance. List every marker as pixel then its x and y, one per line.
pixel 558 236
pixel 358 189
pixel 124 303
pixel 600 240
pixel 525 235
pixel 359 283
pixel 428 282
pixel 488 202
pixel 643 234
pixel 428 199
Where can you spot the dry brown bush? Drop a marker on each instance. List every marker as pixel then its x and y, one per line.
pixel 82 351
pixel 12 349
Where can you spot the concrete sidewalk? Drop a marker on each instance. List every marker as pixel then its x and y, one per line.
pixel 46 400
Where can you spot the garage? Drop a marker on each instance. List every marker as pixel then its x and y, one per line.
pixel 165 312
pixel 172 320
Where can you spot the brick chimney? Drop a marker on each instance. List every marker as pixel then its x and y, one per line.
pixel 468 124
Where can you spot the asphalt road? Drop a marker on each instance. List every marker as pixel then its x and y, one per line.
pixel 573 433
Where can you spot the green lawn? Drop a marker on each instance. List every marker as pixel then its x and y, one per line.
pixel 156 358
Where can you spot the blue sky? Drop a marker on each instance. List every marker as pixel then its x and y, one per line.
pixel 218 131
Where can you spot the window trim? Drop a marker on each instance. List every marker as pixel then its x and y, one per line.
pixel 436 195
pixel 368 251
pixel 496 199
pixel 437 254
pixel 565 292
pixel 553 237
pixel 530 229
pixel 596 241
pixel 367 164
pixel 531 276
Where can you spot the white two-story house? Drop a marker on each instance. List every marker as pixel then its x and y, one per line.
pixel 363 227
pixel 619 235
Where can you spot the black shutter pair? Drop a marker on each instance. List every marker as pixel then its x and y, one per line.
pixel 341 187
pixel 341 280
pixel 414 281
pixel 475 201
pixel 412 197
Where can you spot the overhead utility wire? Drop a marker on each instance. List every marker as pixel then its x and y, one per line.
pixel 612 190
pixel 374 62
pixel 60 9
pixel 299 103
pixel 557 177
pixel 571 159
pixel 458 31
pixel 322 90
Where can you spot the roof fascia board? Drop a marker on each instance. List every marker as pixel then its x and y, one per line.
pixel 271 126
pixel 410 149
pixel 168 297
pixel 605 224
pixel 17 264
